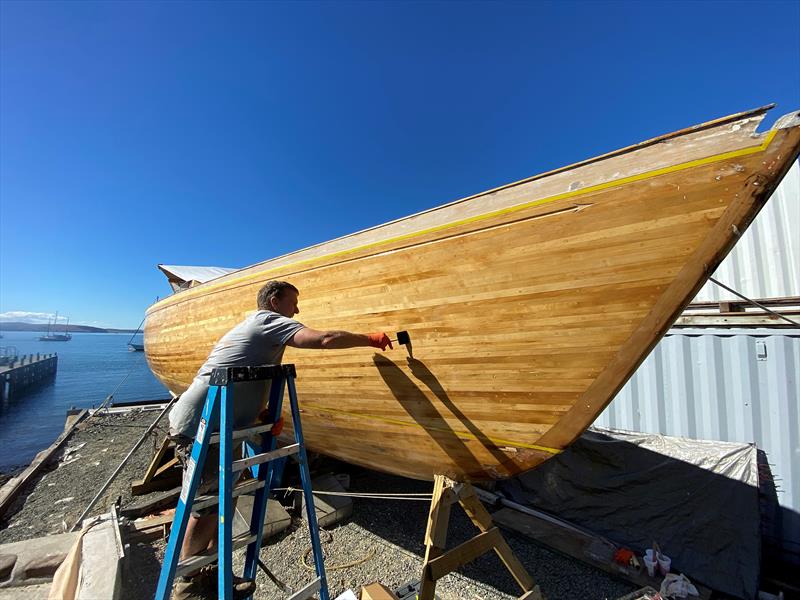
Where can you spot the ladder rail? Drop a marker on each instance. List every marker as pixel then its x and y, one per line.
pixel 268 442
pixel 188 491
pixel 267 468
pixel 308 590
pixel 226 475
pixel 305 478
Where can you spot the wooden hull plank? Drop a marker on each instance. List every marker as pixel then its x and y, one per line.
pixel 528 306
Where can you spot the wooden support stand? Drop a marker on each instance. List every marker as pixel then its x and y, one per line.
pixel 163 473
pixel 439 562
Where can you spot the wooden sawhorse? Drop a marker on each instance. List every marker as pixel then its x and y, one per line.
pixel 439 562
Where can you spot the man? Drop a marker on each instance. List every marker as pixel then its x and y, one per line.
pixel 259 339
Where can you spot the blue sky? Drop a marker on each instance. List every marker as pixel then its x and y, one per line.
pixel 137 133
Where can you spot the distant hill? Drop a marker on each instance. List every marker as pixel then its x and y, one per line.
pixel 58 329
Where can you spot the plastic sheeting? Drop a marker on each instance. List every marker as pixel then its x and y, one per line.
pixel 698 499
pixel 181 277
pixel 201 274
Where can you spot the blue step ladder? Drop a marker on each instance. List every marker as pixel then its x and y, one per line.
pixel 266 464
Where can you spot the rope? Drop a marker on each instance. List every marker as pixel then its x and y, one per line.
pixel 110 397
pixel 371 495
pixel 137 329
pixel 337 567
pixel 309 567
pixel 753 302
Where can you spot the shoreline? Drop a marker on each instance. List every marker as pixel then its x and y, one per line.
pixel 73 332
pixel 69 479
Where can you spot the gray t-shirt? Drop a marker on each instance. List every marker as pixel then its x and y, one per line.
pixel 258 340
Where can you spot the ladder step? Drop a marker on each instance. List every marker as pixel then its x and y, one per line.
pixel 258 459
pixel 307 591
pixel 245 432
pixel 200 560
pixel 251 485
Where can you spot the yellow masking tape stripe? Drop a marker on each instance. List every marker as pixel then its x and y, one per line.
pixel 498 442
pixel 186 295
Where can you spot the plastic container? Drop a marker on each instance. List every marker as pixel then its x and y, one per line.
pixel 661 562
pixel 664 563
pixel 649 563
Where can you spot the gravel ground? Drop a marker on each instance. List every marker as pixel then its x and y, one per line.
pixel 382 541
pixel 65 486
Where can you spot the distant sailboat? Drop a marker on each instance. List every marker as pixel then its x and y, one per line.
pixel 56 337
pixel 139 345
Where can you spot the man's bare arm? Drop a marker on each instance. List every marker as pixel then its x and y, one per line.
pixel 337 340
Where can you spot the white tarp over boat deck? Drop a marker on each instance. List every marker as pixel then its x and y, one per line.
pixel 184 277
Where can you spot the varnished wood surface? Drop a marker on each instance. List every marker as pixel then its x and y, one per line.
pixel 528 306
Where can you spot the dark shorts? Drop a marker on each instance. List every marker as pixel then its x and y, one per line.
pixel 209 478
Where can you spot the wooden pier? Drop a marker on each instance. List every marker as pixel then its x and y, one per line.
pixel 26 371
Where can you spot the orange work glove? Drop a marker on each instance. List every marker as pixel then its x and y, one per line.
pixel 379 340
pixel 277 427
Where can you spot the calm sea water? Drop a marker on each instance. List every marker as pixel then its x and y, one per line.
pixel 90 367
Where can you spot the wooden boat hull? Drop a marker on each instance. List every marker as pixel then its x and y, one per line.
pixel 528 306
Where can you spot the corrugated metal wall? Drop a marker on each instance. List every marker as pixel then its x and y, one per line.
pixel 735 385
pixel 765 263
pixel 732 385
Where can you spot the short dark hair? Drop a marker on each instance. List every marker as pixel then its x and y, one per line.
pixel 272 289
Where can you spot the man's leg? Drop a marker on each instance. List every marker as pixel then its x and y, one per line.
pixel 214 539
pixel 202 530
pixel 196 585
pixel 201 533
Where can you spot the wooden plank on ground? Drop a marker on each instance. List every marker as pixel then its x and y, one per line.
pixel 595 551
pixel 534 594
pixel 151 528
pixel 167 499
pixel 153 522
pixel 166 477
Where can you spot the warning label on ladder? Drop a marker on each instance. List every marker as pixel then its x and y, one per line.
pixel 187 479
